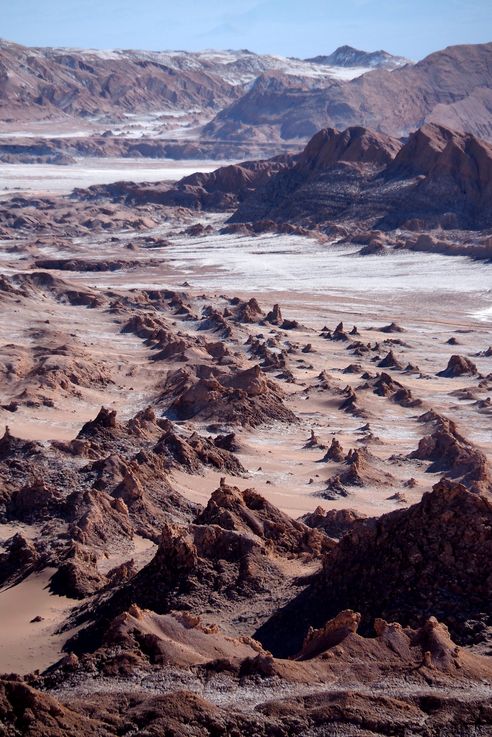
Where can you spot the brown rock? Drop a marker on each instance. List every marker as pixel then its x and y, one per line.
pixel 333 633
pixel 334 453
pixel 334 522
pixel 274 317
pixel 454 455
pixel 459 366
pixel 248 511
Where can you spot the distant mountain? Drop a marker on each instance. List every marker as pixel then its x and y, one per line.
pixel 40 83
pixel 452 87
pixel 347 56
pixel 236 103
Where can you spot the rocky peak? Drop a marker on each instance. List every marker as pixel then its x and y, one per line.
pixel 106 419
pixel 248 512
pixel 421 151
pixel 355 145
pixel 347 56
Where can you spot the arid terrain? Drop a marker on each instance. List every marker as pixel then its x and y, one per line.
pixel 58 105
pixel 245 424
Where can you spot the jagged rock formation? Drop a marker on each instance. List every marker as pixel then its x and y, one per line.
pixel 246 398
pixel 357 175
pixel 350 405
pixel 334 453
pixel 123 489
pixel 194 452
pixel 334 522
pixel 140 638
pixel 453 455
pixel 404 566
pixel 333 633
pixel 227 556
pixel 390 361
pixel 360 468
pixel 77 577
pixel 355 181
pixel 18 559
pixel 247 511
pixel 274 317
pixel 385 386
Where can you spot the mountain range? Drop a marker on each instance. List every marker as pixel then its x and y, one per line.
pixel 228 104
pixel 452 87
pixel 39 82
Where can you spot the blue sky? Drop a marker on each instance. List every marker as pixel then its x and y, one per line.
pixel 301 28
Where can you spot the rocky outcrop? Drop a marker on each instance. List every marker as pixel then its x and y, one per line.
pixel 452 454
pixel 459 366
pixel 18 559
pixel 274 317
pixel 141 639
pixel 247 511
pixel 334 453
pixel 198 568
pixel 404 566
pixel 350 403
pixel 441 540
pixel 77 576
pixel 332 634
pixel 221 190
pixel 192 453
pixel 244 398
pixel 390 361
pixel 385 386
pixel 105 434
pixel 439 177
pixel 429 647
pixel 105 420
pixel 334 522
pixel 332 161
pixel 360 469
pixel 97 519
pixel 235 552
pixel 159 336
pixel 35 502
pixel 248 312
pixel 393 327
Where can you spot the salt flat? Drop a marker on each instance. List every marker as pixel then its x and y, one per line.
pixel 61 179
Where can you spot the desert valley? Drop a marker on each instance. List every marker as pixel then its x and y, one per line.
pixel 245 396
